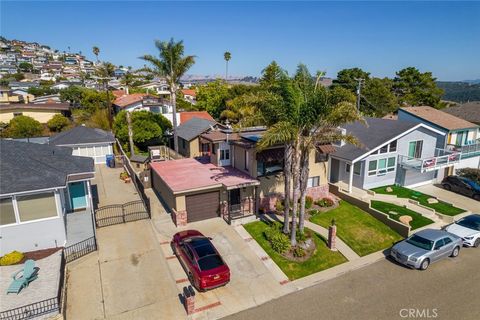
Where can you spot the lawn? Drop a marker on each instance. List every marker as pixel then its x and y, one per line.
pixel 401 192
pixel 358 229
pixel 322 259
pixel 385 207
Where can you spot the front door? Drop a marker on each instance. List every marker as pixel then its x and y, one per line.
pixel 77 195
pixel 234 196
pixel 224 154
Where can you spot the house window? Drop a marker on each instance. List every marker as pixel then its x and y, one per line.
pixel 393 146
pixel 384 149
pixel 7 213
pixel 246 159
pixel 37 206
pixel 224 154
pixel 357 168
pixel 269 167
pixel 381 166
pixel 415 149
pixel 184 144
pixel 313 182
pixel 372 167
pixel 320 157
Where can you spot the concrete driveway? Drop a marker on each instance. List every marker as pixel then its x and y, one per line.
pixel 457 199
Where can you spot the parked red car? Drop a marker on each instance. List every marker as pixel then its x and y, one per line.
pixel 203 264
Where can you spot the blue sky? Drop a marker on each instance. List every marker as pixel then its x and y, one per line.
pixel 380 37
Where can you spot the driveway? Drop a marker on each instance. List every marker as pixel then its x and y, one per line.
pixel 449 196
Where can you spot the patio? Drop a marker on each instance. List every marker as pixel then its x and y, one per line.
pixel 79 227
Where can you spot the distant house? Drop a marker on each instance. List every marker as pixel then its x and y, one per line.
pixel 190 95
pixel 39 185
pixel 8 96
pixel 469 111
pixel 8 69
pixel 86 142
pixel 25 85
pixel 143 101
pixel 187 115
pixel 51 98
pixel 40 112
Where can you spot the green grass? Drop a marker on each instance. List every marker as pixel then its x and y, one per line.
pixel 401 192
pixel 385 207
pixel 322 259
pixel 358 229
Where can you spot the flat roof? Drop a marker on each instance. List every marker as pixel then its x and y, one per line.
pixel 189 174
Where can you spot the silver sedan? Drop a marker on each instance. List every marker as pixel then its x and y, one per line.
pixel 425 247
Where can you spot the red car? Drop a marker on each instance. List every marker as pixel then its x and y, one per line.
pixel 202 262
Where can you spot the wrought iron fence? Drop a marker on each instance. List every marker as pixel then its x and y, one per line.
pixel 32 310
pixel 120 213
pixel 80 249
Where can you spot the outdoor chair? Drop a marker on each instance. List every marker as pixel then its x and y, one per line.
pixel 28 274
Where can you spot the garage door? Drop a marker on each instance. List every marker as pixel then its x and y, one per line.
pixel 202 206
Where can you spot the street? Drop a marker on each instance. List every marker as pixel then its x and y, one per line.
pixel 385 290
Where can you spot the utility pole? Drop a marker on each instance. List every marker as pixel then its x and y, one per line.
pixel 359 90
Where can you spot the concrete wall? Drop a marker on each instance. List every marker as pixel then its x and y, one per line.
pixel 161 189
pixel 39 115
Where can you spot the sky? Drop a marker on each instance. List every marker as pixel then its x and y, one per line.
pixel 379 37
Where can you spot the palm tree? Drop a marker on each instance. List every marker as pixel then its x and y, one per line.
pixel 171 64
pixel 96 52
pixel 104 72
pixel 227 56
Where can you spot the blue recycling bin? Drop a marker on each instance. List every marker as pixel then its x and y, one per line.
pixel 110 160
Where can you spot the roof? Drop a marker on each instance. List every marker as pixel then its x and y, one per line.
pixel 138 158
pixel 185 116
pixel 188 174
pixel 81 135
pixel 193 128
pixel 30 166
pixel 189 92
pixel 36 106
pixel 469 111
pixel 439 118
pixel 372 135
pixel 118 93
pixel 128 99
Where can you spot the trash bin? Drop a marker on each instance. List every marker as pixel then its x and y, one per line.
pixel 110 160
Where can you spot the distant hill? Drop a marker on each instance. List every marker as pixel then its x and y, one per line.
pixel 460 91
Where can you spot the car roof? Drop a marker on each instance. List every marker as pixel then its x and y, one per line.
pixel 475 217
pixel 432 234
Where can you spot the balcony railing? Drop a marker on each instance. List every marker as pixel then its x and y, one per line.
pixel 467 151
pixel 443 160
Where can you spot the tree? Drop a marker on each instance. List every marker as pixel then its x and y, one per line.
pixel 96 52
pixel 339 94
pixel 213 97
pixel 42 91
pixel 24 127
pixel 413 87
pixel 57 123
pixel 347 78
pixel 25 67
pixel 104 73
pixel 227 56
pixel 377 97
pixel 171 64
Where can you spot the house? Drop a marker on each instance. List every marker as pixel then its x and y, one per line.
pixel 25 85
pixel 469 111
pixel 40 112
pixel 390 152
pixel 158 87
pixel 143 101
pixel 86 142
pixel 232 179
pixel 190 95
pixel 51 98
pixel 188 134
pixel 39 186
pixel 187 115
pixel 460 135
pixel 8 96
pixel 8 69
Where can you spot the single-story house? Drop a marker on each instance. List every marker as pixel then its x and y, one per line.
pixel 40 112
pixel 86 142
pixel 39 185
pixel 188 136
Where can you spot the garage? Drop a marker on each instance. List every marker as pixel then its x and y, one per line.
pixel 202 206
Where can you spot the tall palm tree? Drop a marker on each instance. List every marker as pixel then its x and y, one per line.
pixel 104 72
pixel 171 64
pixel 227 56
pixel 96 52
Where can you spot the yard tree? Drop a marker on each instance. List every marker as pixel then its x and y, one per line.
pixel 171 64
pixel 227 56
pixel 378 98
pixel 347 78
pixel 24 127
pixel 57 123
pixel 339 94
pixel 212 97
pixel 415 88
pixel 25 67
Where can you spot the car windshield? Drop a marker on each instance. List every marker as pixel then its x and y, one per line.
pixel 471 222
pixel 420 242
pixel 210 262
pixel 203 247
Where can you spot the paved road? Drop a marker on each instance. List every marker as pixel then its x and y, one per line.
pixel 448 290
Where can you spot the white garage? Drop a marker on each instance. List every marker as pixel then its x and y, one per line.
pixel 86 142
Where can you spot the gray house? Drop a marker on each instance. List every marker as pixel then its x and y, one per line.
pixel 39 185
pixel 390 152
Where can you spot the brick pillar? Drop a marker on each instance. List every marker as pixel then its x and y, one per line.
pixel 179 218
pixel 332 236
pixel 189 299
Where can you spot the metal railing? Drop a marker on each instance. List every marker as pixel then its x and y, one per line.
pixel 237 211
pixel 121 213
pixel 80 249
pixel 467 151
pixel 429 163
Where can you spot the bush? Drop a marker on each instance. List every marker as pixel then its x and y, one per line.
pixel 308 202
pixel 325 202
pixel 298 252
pixel 274 228
pixel 280 242
pixel 13 257
pixel 279 205
pixel 470 173
pixel 57 123
pixel 24 127
pixel 302 236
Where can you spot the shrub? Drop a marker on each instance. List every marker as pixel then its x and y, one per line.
pixel 298 252
pixel 325 202
pixel 274 228
pixel 280 242
pixel 302 236
pixel 24 127
pixel 57 123
pixel 470 173
pixel 308 202
pixel 13 257
pixel 279 205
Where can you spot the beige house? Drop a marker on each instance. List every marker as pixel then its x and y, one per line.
pixel 40 112
pixel 188 135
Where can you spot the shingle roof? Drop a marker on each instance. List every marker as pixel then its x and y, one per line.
pixel 81 135
pixel 438 117
pixel 193 128
pixel 126 100
pixel 29 166
pixel 469 111
pixel 375 133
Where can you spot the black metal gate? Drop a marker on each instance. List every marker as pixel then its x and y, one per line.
pixel 120 213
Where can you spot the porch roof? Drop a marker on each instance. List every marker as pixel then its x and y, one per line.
pixel 189 174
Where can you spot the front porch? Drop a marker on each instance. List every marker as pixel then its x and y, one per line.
pixel 241 204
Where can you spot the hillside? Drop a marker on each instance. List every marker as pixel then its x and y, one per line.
pixel 460 91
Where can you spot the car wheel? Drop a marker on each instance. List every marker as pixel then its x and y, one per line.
pixel 455 252
pixel 447 187
pixel 477 243
pixel 425 264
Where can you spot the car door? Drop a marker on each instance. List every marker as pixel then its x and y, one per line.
pixel 447 247
pixel 186 257
pixel 455 184
pixel 437 252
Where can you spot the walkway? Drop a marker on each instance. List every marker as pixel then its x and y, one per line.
pixel 107 188
pixel 457 199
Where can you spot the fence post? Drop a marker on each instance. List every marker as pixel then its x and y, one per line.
pixel 123 214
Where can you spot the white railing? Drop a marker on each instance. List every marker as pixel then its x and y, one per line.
pixel 467 151
pixel 430 163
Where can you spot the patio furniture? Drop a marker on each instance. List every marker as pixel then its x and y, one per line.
pixel 28 274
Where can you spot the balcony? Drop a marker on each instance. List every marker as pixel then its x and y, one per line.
pixel 467 151
pixel 442 159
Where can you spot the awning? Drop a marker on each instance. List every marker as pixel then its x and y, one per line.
pixel 271 154
pixel 326 148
